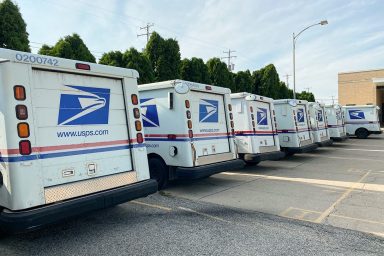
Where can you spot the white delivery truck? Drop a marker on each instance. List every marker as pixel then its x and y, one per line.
pixel 293 126
pixel 318 122
pixel 336 122
pixel 255 128
pixel 71 139
pixel 189 130
pixel 362 121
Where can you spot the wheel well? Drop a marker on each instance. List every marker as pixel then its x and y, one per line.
pixel 361 129
pixel 153 155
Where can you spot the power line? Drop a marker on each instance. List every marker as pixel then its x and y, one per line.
pixel 231 66
pixel 147 31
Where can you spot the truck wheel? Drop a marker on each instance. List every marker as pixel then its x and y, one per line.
pixel 362 133
pixel 158 171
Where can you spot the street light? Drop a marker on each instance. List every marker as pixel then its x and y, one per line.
pixel 294 38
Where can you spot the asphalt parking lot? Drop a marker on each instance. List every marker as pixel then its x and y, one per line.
pixel 310 204
pixel 341 185
pixel 163 225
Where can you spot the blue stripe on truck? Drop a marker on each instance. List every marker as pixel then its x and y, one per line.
pixel 14 159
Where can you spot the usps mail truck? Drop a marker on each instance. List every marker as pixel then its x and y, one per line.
pixel 318 121
pixel 293 126
pixel 189 130
pixel 336 122
pixel 255 128
pixel 71 139
pixel 362 121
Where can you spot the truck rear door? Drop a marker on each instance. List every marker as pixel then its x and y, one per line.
pixel 320 116
pixel 264 127
pixel 81 126
pixel 210 124
pixel 303 122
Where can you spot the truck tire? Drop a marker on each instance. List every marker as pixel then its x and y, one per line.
pixel 158 171
pixel 362 133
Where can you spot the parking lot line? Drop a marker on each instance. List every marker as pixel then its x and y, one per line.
pixel 152 205
pixel 359 149
pixel 204 214
pixel 304 212
pixel 334 183
pixel 345 158
pixel 328 211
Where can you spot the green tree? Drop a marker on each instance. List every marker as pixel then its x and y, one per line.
pixel 243 82
pixel 164 56
pixel 112 58
pixel 130 59
pixel 13 30
pixel 304 95
pixel 138 61
pixel 219 73
pixel 194 70
pixel 69 47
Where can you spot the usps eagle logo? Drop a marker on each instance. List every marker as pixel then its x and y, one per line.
pixel 300 115
pixel 208 111
pixel 84 105
pixel 261 116
pixel 356 114
pixel 149 113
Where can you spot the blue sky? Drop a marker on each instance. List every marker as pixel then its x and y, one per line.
pixel 259 31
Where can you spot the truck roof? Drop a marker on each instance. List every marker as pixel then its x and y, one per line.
pixel 250 97
pixel 191 85
pixel 61 64
pixel 316 103
pixel 287 101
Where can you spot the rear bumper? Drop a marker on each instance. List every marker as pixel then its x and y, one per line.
pixel 303 149
pixel 208 170
pixel 256 158
pixel 342 138
pixel 325 143
pixel 14 222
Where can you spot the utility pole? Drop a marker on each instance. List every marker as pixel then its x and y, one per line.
pixel 307 88
pixel 287 77
pixel 229 57
pixel 333 100
pixel 147 31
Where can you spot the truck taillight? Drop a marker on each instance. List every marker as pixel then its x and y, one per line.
pixel 139 137
pixel 232 124
pixel 187 104
pixel 251 109
pixel 19 92
pixel 252 117
pixel 273 111
pixel 188 114
pixel 134 99
pixel 138 125
pixel 233 131
pixel 231 116
pixel 190 134
pixel 189 124
pixel 136 113
pixel 21 112
pixel 83 66
pixel 208 88
pixel 25 147
pixel 229 107
pixel 23 130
